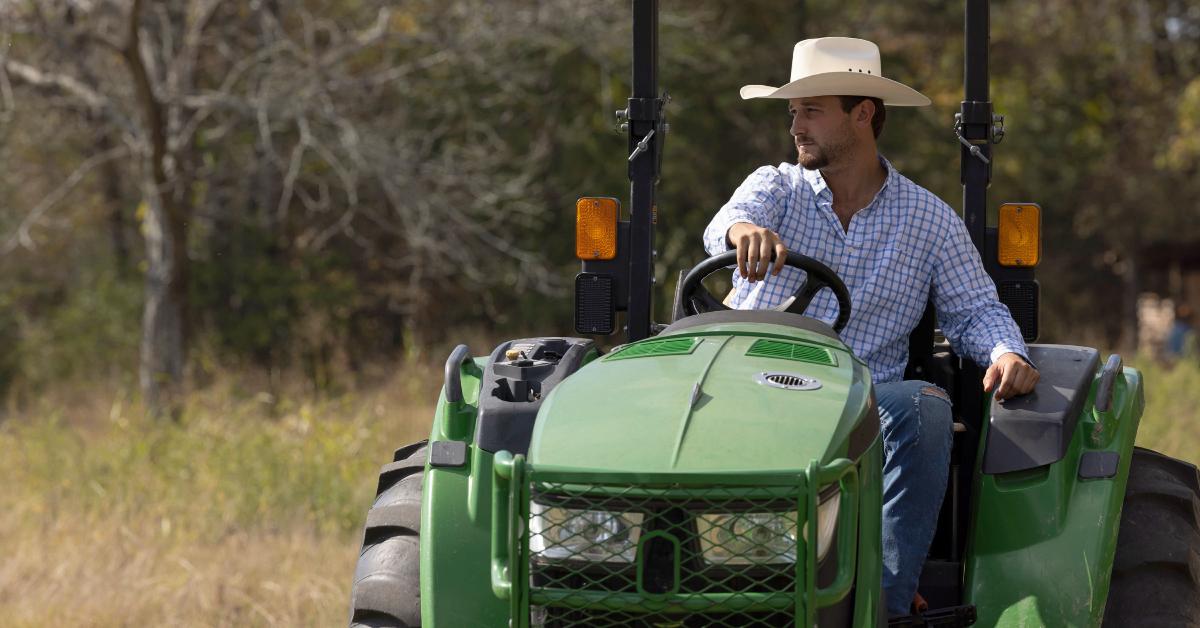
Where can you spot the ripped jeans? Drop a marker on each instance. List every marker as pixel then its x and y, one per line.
pixel 917 433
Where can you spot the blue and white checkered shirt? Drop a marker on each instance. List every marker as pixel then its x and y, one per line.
pixel 904 248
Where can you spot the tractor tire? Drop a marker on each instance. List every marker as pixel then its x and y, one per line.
pixel 1156 572
pixel 387 579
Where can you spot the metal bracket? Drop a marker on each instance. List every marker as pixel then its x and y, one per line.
pixel 972 147
pixel 997 128
pixel 637 111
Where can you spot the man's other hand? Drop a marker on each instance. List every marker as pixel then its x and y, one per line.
pixel 1010 375
pixel 754 246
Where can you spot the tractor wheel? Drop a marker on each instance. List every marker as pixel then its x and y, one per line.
pixel 1156 573
pixel 387 580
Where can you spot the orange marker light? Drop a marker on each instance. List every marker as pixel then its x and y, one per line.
pixel 1020 234
pixel 596 227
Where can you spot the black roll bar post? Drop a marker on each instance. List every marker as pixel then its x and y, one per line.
pixel 645 146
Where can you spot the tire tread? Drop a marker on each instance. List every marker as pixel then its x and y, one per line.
pixel 1156 571
pixel 387 583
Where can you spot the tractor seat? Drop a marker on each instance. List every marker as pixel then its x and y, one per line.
pixel 768 317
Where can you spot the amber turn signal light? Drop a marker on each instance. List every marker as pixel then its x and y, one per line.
pixel 596 227
pixel 1020 234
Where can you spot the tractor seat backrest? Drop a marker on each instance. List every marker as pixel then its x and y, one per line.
pixel 920 346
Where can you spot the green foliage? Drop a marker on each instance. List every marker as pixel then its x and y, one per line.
pixel 1172 397
pixel 75 331
pixel 424 181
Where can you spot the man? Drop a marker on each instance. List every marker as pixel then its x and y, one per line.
pixel 896 246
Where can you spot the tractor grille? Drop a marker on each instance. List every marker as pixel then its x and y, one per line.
pixel 618 556
pixel 788 381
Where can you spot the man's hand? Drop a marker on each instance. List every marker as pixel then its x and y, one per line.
pixel 754 248
pixel 1010 375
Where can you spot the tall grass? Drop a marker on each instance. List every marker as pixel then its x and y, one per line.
pixel 248 510
pixel 245 512
pixel 1171 423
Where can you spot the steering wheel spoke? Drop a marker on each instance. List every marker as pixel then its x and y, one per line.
pixel 804 296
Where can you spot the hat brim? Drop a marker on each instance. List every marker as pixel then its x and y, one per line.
pixel 841 84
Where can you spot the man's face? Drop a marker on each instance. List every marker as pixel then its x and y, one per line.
pixel 821 130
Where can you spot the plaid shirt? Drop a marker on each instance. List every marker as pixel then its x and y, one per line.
pixel 904 248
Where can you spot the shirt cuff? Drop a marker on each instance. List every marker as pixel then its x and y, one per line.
pixel 718 231
pixel 1005 347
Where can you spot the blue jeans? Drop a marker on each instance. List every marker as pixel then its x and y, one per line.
pixel 917 432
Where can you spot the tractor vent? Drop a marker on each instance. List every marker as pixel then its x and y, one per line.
pixel 788 381
pixel 796 351
pixel 647 348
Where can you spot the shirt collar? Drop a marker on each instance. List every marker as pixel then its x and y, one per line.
pixel 817 182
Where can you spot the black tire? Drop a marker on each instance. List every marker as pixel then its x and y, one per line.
pixel 387 579
pixel 1156 574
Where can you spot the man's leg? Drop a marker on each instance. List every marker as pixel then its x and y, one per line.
pixel 917 433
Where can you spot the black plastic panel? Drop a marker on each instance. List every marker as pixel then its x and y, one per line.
pixel 595 310
pixel 447 453
pixel 512 390
pixel 1022 299
pixel 1096 465
pixel 1034 430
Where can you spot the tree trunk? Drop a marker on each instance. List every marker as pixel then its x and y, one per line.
pixel 163 348
pixel 164 314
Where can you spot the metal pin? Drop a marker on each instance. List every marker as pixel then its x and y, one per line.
pixel 642 145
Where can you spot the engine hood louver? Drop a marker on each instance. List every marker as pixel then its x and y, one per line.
pixel 795 351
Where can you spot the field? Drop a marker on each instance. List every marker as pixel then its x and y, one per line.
pixel 247 510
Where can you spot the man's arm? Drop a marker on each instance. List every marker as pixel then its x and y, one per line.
pixel 748 223
pixel 974 319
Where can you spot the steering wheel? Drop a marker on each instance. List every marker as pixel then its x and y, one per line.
pixel 694 298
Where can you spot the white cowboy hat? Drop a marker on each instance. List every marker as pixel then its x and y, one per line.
pixel 838 66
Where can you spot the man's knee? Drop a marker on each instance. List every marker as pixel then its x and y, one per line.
pixel 937 421
pixel 917 412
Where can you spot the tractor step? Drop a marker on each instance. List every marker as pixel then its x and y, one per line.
pixel 948 617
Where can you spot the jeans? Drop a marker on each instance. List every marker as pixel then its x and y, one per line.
pixel 917 432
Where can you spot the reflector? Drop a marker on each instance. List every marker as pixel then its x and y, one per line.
pixel 1019 234
pixel 596 228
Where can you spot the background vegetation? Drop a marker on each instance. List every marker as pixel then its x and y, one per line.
pixel 272 219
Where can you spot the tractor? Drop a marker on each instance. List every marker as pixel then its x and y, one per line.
pixel 725 469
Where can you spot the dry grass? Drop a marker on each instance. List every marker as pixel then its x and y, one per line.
pixel 248 511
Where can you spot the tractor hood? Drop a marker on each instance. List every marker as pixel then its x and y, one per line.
pixel 696 401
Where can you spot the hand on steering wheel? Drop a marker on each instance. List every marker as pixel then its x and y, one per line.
pixel 696 299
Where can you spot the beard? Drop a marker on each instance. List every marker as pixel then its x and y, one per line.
pixel 818 155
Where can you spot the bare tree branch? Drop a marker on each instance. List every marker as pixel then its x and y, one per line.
pixel 23 236
pixel 68 84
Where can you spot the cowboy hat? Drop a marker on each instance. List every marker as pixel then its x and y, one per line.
pixel 838 66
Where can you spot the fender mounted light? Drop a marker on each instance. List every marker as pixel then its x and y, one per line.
pixel 596 227
pixel 1019 236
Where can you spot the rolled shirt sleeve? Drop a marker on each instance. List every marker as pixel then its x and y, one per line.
pixel 759 200
pixel 971 315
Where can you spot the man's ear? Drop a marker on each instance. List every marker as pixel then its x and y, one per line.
pixel 866 111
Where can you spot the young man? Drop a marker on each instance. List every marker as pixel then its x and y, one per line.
pixel 896 246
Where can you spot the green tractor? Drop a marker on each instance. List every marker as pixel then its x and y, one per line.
pixel 725 469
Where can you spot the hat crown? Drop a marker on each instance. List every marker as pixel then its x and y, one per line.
pixel 835 54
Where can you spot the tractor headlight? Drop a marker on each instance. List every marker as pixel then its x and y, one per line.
pixel 592 535
pixel 763 537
